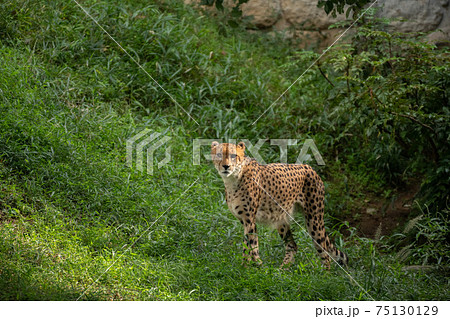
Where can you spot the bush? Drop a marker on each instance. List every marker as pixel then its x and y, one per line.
pixel 388 103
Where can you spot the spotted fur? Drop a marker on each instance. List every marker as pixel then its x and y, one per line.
pixel 271 194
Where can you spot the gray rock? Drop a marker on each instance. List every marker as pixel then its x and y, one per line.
pixel 417 15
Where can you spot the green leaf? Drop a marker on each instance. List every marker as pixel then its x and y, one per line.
pixel 219 5
pixel 328 7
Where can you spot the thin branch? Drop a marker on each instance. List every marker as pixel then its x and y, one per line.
pixel 412 118
pixel 324 75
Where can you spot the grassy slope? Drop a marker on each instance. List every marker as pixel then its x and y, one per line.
pixel 69 207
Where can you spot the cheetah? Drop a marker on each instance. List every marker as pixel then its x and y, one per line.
pixel 271 194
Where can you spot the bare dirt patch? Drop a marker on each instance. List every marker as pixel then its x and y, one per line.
pixel 380 217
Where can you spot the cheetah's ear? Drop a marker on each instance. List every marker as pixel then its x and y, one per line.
pixel 241 145
pixel 214 144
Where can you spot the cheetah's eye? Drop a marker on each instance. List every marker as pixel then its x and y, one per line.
pixel 233 156
pixel 218 155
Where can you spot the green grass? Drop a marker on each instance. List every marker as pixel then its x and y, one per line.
pixel 76 222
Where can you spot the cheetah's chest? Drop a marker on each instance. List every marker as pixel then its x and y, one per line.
pixel 238 204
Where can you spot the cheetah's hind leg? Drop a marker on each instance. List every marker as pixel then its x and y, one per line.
pixel 291 247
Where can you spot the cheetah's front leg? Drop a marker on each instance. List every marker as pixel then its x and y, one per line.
pixel 251 249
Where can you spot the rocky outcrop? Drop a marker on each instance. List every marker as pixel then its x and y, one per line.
pixel 263 13
pixel 415 15
pixel 419 16
pixel 305 15
pixel 302 19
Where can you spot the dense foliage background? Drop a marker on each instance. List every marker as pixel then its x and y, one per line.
pixel 76 222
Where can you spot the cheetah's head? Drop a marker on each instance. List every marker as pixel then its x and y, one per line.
pixel 227 157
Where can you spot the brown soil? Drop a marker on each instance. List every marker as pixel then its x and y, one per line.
pixel 380 217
